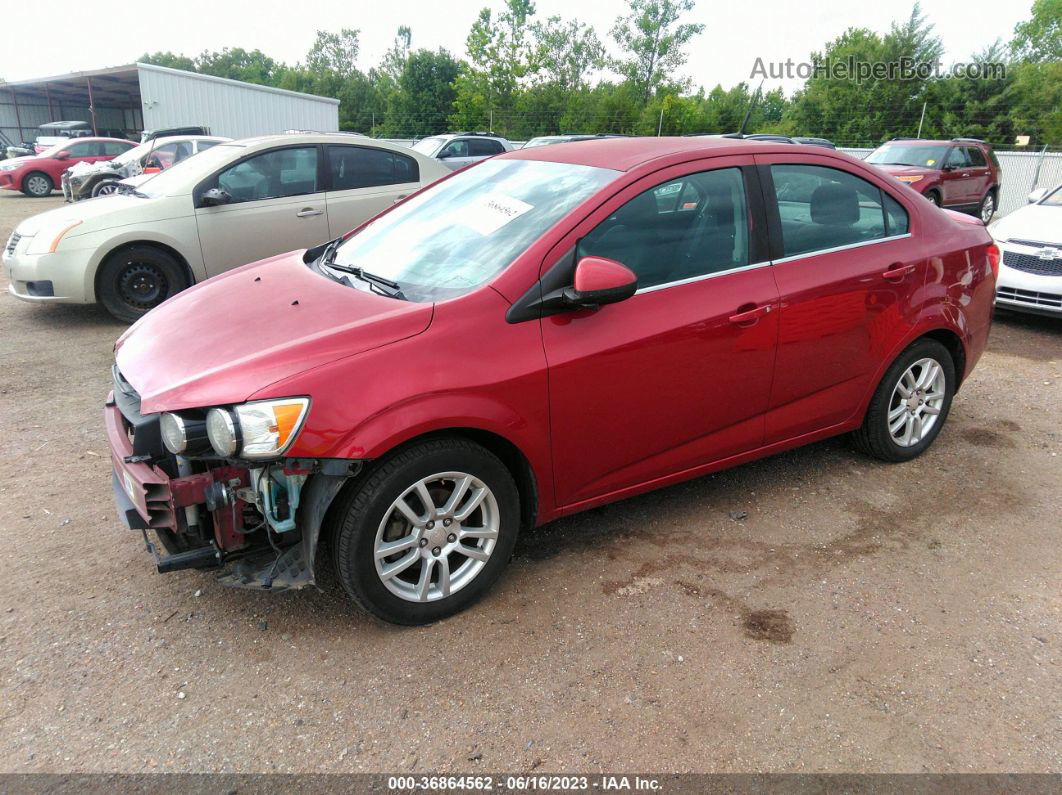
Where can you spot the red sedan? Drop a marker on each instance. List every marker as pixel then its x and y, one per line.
pixel 38 175
pixel 547 331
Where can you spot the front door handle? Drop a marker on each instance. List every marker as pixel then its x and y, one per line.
pixel 399 198
pixel 306 212
pixel 750 316
pixel 897 272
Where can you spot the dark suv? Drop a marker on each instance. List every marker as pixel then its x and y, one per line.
pixel 961 174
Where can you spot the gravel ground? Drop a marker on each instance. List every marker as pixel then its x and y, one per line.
pixel 816 611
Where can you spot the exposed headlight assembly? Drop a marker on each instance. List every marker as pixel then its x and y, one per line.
pixel 184 435
pixel 260 430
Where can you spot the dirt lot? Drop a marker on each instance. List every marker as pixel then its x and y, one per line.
pixel 860 617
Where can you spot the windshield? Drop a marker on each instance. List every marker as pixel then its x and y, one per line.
pixel 907 155
pixel 545 141
pixel 1053 199
pixel 129 155
pixel 177 176
pixel 427 146
pixel 460 233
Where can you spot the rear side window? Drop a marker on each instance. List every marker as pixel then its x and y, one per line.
pixel 977 158
pixel 896 221
pixel 272 175
pixel 663 241
pixel 823 208
pixel 366 167
pixel 484 147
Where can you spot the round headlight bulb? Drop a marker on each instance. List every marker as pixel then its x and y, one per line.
pixel 223 432
pixel 174 433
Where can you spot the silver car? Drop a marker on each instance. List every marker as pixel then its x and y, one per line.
pixel 457 150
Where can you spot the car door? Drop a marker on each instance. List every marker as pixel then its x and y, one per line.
pixel 980 173
pixel 275 205
pixel 957 178
pixel 456 154
pixel 678 375
pixel 848 275
pixel 363 181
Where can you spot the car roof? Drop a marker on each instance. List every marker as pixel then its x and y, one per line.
pixel 264 141
pixel 625 154
pixel 90 138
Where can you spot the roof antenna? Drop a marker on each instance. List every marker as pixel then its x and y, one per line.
pixel 744 122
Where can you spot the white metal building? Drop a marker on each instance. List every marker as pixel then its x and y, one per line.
pixel 124 100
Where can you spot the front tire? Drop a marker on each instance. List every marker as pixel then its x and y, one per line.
pixel 910 404
pixel 934 196
pixel 138 278
pixel 105 187
pixel 428 532
pixel 37 185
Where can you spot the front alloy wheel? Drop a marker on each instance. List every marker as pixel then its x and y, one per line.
pixel 437 536
pixel 427 531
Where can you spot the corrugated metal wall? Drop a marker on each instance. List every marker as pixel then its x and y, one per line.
pixel 1023 172
pixel 172 98
pixel 33 115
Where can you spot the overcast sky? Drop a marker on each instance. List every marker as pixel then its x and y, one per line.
pixel 90 35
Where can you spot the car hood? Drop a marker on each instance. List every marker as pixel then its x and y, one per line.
pixel 105 212
pixel 86 167
pixel 21 160
pixel 1037 222
pixel 231 336
pixel 906 171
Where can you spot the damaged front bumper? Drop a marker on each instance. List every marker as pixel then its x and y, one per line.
pixel 261 524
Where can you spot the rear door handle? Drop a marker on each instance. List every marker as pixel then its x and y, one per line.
pixel 750 316
pixel 306 212
pixel 897 272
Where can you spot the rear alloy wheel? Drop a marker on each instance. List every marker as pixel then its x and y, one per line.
pixel 105 188
pixel 910 404
pixel 988 208
pixel 428 532
pixel 37 184
pixel 136 279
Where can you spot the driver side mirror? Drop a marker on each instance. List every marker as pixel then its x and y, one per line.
pixel 1036 195
pixel 215 197
pixel 600 281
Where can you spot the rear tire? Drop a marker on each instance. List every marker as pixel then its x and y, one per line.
pixel 910 405
pixel 136 279
pixel 37 185
pixel 426 538
pixel 987 208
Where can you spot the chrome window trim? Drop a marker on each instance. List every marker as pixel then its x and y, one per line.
pixel 845 247
pixel 702 277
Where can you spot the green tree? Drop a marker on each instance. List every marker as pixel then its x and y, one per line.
pixel 169 59
pixel 653 39
pixel 1039 39
pixel 334 53
pixel 252 66
pixel 566 52
pixel 425 96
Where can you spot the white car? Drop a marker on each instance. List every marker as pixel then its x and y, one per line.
pixel 457 150
pixel 235 203
pixel 1030 239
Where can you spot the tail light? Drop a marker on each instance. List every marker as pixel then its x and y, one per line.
pixel 993 259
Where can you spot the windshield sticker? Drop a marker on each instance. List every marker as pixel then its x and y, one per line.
pixel 491 213
pixel 930 162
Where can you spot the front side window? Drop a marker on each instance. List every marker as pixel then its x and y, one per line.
pixel 272 175
pixel 87 149
pixel 682 229
pixel 366 167
pixel 461 232
pixel 455 149
pixel 824 208
pixel 114 148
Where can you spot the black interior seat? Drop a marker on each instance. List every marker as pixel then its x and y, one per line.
pixel 834 209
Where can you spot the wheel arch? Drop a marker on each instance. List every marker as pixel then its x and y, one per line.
pixel 953 342
pixel 180 258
